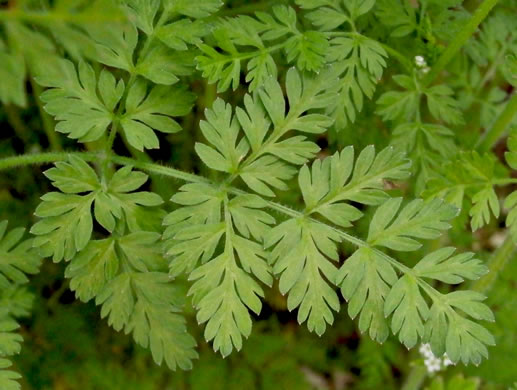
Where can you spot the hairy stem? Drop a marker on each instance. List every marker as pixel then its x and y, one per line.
pixel 42 158
pixel 463 36
pixel 490 138
pixel 249 54
pixel 49 18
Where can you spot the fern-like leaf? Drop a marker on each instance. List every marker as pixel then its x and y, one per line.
pixel 16 257
pixel 67 223
pixel 82 104
pixel 264 34
pixel 225 284
pixel 470 176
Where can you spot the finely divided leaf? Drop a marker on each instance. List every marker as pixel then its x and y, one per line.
pixel 418 219
pixel 409 309
pixel 511 200
pixel 225 285
pixel 92 268
pixel 147 112
pixel 147 305
pixel 359 62
pixel 16 257
pixel 303 256
pixel 471 175
pixel 442 266
pixel 67 223
pixel 365 279
pixel 192 8
pixel 459 337
pixel 81 104
pixel 338 180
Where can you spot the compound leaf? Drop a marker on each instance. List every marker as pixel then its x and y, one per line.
pixel 225 285
pixel 441 265
pixel 337 180
pixel 418 219
pixel 67 223
pixel 409 309
pixel 365 279
pixel 301 258
pixel 16 257
pixel 81 104
pixel 146 113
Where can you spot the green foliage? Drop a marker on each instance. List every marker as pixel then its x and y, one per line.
pixel 86 106
pixel 16 260
pixel 511 69
pixel 427 143
pixel 359 59
pixel 85 114
pixel 400 16
pixel 260 158
pixel 145 304
pixel 472 176
pixel 68 221
pixel 225 284
pixel 262 34
pixel 304 181
pixel 146 113
pixel 511 201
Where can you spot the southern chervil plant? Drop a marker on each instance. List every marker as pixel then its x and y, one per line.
pixel 256 87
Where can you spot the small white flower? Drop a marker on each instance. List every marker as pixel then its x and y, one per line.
pixel 447 361
pixel 433 363
pixel 420 61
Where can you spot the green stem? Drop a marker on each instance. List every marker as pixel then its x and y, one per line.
pixel 147 44
pixel 504 182
pixel 415 378
pixel 159 169
pixel 496 264
pixel 53 17
pixel 153 168
pixel 113 132
pixel 42 158
pixel 490 138
pixel 54 298
pixel 463 36
pixel 250 54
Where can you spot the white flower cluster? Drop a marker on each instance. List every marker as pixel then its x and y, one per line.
pixel 422 64
pixel 433 363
